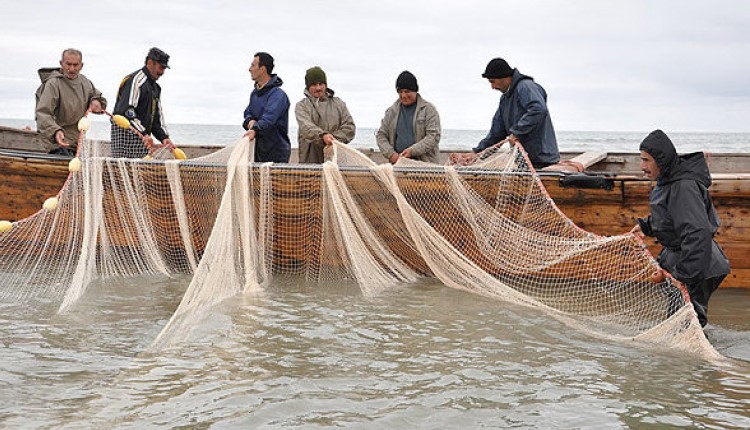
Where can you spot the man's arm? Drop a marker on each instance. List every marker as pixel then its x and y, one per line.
pixel 158 128
pixel 307 130
pixel 346 131
pixel 383 137
pixel 276 105
pixel 690 219
pixel 45 113
pixel 644 226
pixel 496 134
pixel 249 120
pixel 97 102
pixel 128 96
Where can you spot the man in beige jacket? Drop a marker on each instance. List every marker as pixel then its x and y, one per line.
pixel 411 126
pixel 321 118
pixel 62 100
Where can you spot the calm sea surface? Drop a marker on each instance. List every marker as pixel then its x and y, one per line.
pixel 196 134
pixel 323 355
pixel 318 356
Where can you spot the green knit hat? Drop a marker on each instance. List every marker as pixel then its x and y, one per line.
pixel 315 75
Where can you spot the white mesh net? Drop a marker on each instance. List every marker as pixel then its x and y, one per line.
pixel 490 228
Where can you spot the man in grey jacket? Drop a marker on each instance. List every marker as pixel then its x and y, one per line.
pixel 321 118
pixel 411 126
pixel 62 99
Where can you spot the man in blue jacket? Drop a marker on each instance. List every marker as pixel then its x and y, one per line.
pixel 267 114
pixel 522 115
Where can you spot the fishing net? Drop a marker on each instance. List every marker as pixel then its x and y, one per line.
pixel 489 228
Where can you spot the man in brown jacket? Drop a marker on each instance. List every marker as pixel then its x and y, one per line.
pixel 62 100
pixel 321 118
pixel 411 126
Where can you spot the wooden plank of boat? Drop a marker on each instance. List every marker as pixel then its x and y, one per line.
pixel 20 139
pixel 588 159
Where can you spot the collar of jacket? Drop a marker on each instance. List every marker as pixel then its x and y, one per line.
pixel 273 83
pixel 517 77
pixel 148 75
pixel 419 103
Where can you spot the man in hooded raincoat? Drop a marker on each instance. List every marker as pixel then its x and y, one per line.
pixel 321 117
pixel 62 100
pixel 683 219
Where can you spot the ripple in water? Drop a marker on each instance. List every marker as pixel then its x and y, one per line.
pixel 320 355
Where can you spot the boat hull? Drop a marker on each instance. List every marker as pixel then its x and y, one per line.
pixel 29 179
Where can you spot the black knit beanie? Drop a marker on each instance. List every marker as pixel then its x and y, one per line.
pixel 407 81
pixel 497 68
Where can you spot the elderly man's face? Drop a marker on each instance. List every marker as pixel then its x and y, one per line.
pixel 648 166
pixel 407 97
pixel 317 90
pixel 71 65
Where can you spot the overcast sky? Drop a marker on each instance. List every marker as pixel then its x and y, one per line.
pixel 635 65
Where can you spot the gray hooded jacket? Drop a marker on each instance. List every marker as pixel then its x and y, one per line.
pixel 316 117
pixel 683 219
pixel 61 102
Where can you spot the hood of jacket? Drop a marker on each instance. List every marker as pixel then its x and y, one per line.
pixel 517 77
pixel 673 167
pixel 47 73
pixel 690 166
pixel 273 83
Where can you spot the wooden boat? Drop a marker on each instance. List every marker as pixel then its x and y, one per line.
pixel 605 200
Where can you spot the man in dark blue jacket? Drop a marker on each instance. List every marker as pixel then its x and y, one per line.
pixel 683 219
pixel 522 115
pixel 267 114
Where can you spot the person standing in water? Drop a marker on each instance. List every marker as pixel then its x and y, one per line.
pixel 683 219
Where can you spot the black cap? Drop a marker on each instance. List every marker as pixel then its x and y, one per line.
pixel 497 68
pixel 159 56
pixel 407 81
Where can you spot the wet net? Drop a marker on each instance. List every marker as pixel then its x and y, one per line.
pixel 489 228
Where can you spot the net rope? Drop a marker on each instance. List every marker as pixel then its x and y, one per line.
pixel 489 228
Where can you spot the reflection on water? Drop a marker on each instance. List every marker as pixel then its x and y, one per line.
pixel 308 355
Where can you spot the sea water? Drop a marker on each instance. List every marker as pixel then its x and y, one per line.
pixel 310 355
pixel 451 140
